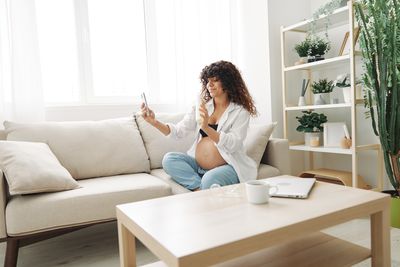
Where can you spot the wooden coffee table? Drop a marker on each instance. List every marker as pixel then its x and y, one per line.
pixel 220 227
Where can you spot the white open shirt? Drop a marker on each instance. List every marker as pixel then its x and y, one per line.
pixel 232 127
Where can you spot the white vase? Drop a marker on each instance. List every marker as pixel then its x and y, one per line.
pixel 302 101
pixel 347 94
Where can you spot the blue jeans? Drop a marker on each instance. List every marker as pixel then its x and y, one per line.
pixel 184 170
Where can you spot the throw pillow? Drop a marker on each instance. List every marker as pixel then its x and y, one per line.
pixel 257 140
pixel 32 168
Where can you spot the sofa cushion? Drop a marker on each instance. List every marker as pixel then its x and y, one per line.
pixel 176 188
pixel 257 140
pixel 32 168
pixel 95 201
pixel 89 148
pixel 157 145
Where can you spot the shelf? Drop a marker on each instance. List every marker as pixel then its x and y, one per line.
pixel 332 62
pixel 348 63
pixel 336 177
pixel 308 107
pixel 315 249
pixel 334 150
pixel 338 18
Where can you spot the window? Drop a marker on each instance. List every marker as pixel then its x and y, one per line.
pixel 109 51
pixel 117 47
pixel 58 51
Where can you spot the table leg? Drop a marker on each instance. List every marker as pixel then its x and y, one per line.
pixel 380 239
pixel 127 248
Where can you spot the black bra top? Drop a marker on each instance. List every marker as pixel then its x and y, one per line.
pixel 214 126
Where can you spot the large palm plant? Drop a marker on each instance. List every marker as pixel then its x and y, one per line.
pixel 380 46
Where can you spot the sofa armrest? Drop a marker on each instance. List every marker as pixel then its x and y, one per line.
pixel 277 155
pixel 3 201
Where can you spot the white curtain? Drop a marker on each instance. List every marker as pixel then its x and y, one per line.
pixel 21 96
pixel 186 36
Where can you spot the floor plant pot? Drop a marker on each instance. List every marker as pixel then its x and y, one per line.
pixel 394 209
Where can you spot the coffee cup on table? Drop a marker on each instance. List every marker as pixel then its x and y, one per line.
pixel 258 192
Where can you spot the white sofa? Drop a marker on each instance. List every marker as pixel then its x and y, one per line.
pixel 114 162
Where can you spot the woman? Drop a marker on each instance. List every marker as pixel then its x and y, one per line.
pixel 218 155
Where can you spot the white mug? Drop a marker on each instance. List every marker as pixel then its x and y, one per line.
pixel 258 192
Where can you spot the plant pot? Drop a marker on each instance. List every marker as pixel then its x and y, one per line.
pixel 310 59
pixel 347 94
pixel 321 99
pixel 394 209
pixel 319 57
pixel 310 139
pixel 302 60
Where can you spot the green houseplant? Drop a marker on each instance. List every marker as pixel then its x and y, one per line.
pixel 302 50
pixel 380 47
pixel 318 48
pixel 320 88
pixel 311 123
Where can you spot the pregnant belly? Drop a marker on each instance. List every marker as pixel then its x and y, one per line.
pixel 207 154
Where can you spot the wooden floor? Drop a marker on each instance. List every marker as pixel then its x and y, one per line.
pixel 97 246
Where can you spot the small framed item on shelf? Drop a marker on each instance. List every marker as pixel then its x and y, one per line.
pixel 334 133
pixel 345 47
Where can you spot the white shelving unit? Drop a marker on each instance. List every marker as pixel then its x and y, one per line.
pixel 342 16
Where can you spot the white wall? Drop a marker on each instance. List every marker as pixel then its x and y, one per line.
pixel 281 13
pixel 251 53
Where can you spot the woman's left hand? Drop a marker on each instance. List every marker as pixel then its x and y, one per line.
pixel 203 112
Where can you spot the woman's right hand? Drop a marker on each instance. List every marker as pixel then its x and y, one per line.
pixel 147 114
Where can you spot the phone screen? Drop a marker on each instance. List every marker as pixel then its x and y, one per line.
pixel 144 99
pixel 143 95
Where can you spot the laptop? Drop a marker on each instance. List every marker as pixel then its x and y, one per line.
pixel 291 186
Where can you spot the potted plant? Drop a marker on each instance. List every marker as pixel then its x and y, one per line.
pixel 321 90
pixel 311 123
pixel 302 50
pixel 343 82
pixel 379 46
pixel 318 48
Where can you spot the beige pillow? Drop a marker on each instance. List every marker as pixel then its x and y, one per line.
pixel 32 168
pixel 157 144
pixel 88 148
pixel 257 140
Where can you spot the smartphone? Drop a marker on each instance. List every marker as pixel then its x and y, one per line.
pixel 143 95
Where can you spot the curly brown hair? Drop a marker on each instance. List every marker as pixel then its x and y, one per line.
pixel 232 82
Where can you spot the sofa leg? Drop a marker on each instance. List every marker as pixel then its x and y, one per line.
pixel 11 252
